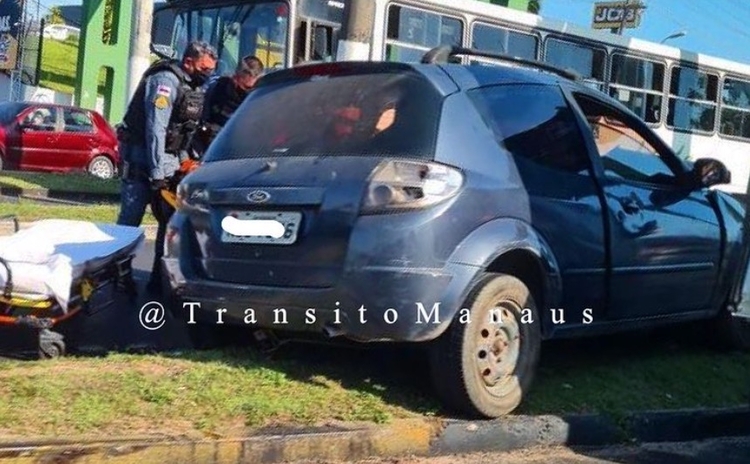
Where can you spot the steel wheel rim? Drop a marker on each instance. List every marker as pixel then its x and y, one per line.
pixel 498 348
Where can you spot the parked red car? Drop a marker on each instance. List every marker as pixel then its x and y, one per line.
pixel 56 138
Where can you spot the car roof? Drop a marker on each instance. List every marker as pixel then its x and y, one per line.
pixel 476 75
pixel 29 104
pixel 460 76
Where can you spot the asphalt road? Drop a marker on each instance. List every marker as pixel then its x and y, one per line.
pixel 723 451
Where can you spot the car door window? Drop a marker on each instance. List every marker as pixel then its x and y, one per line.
pixel 624 151
pixel 535 124
pixel 77 121
pixel 40 119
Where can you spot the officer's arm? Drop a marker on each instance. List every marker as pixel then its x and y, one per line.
pixel 161 92
pixel 208 101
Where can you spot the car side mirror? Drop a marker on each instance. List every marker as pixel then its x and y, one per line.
pixel 709 172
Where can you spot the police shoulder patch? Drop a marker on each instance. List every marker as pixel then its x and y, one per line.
pixel 164 90
pixel 161 102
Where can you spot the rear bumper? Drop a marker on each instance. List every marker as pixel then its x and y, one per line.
pixel 368 305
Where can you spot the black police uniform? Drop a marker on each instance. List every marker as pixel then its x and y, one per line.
pixel 222 100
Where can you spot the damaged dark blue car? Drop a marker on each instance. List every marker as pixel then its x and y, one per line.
pixel 478 210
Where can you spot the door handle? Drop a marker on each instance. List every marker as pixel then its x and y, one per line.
pixel 630 204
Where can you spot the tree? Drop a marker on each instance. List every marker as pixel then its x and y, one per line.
pixel 535 6
pixel 55 16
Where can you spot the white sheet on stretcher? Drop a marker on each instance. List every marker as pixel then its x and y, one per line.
pixel 46 258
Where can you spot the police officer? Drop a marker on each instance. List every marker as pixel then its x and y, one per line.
pixel 225 95
pixel 156 132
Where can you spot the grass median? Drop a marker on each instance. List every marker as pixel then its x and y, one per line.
pixel 68 182
pixel 226 393
pixel 27 210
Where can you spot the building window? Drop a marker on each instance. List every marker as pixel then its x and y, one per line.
pixel 638 84
pixel 412 32
pixel 692 99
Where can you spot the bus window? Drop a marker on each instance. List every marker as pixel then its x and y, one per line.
pixel 327 11
pixel 735 110
pixel 202 24
pixel 413 32
pixel 499 40
pixel 586 61
pixel 692 100
pixel 638 84
pixel 237 31
pixel 180 35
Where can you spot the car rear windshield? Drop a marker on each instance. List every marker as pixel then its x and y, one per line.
pixel 389 114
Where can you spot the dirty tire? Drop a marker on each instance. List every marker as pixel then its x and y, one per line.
pixel 469 355
pixel 101 167
pixel 734 332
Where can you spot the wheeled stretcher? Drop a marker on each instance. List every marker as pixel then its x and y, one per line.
pixel 56 269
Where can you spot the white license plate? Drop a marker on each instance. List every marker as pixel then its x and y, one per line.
pixel 269 228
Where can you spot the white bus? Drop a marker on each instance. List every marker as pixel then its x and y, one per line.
pixel 698 104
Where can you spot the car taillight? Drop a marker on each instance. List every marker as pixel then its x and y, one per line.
pixel 401 185
pixel 180 196
pixel 187 198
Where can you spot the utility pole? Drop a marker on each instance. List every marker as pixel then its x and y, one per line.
pixel 140 41
pixel 619 30
pixel 356 31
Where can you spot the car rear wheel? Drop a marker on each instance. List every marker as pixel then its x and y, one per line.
pixel 484 364
pixel 102 167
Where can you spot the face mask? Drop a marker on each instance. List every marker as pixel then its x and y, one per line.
pixel 199 78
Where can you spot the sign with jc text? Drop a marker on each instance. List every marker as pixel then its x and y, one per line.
pixel 609 15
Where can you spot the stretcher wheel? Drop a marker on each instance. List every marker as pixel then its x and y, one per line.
pixel 51 345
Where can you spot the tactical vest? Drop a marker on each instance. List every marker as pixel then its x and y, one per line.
pixel 223 101
pixel 187 108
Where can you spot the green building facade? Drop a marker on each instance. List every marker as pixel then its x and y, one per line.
pixel 515 4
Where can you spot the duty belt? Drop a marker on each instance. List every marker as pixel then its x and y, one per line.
pixel 131 171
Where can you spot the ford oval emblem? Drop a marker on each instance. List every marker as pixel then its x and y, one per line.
pixel 258 196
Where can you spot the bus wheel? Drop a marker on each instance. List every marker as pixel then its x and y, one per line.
pixel 482 367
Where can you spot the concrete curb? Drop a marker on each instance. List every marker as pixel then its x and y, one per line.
pixel 8 228
pixel 402 438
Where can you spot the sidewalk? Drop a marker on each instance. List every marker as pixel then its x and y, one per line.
pixel 419 437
